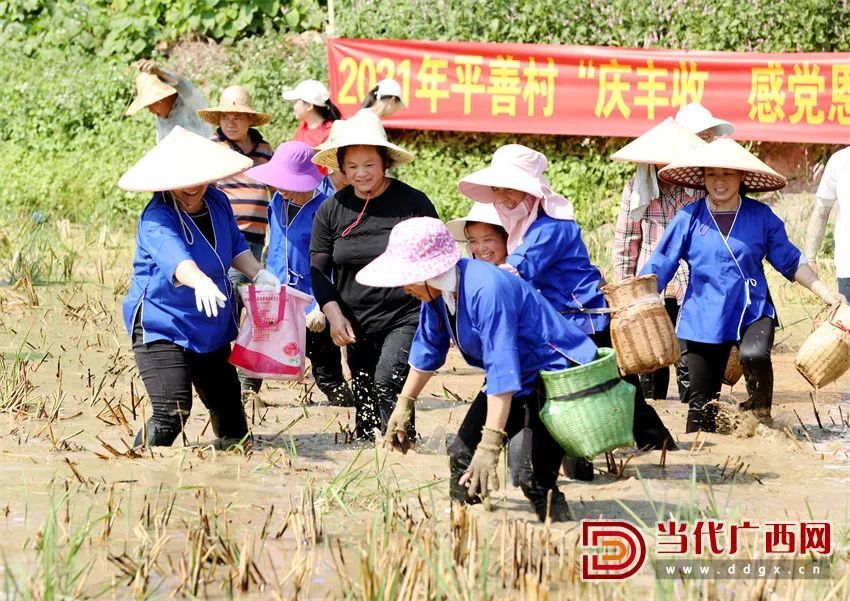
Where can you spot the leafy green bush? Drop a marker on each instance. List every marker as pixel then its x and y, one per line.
pixel 129 29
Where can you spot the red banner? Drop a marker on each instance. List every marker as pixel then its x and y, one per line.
pixel 595 91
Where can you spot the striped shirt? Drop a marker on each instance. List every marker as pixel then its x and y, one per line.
pixel 634 241
pixel 249 199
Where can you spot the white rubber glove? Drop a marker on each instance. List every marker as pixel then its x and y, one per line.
pixel 208 298
pixel 316 321
pixel 268 278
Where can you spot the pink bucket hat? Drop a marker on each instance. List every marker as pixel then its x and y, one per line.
pixel 419 249
pixel 291 168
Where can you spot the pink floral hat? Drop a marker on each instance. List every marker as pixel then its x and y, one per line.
pixel 419 249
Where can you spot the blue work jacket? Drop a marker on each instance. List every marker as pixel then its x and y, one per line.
pixel 727 290
pixel 168 309
pixel 554 259
pixel 289 247
pixel 503 326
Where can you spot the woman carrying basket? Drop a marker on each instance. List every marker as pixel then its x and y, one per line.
pixel 546 249
pixel 725 238
pixel 499 323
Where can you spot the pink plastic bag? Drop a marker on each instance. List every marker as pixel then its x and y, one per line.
pixel 272 339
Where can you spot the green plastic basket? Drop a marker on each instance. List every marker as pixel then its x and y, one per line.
pixel 589 409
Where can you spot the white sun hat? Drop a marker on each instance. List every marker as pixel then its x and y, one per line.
pixel 479 212
pixel 310 91
pixel 363 129
pixel 182 159
pixel 662 144
pixel 723 153
pixel 389 87
pixel 696 118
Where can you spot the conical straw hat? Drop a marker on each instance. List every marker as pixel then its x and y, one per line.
pixel 666 142
pixel 724 153
pixel 234 99
pixel 182 160
pixel 363 129
pixel 149 89
pixel 479 212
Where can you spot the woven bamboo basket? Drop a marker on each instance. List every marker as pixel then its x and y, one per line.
pixel 825 355
pixel 641 331
pixel 734 370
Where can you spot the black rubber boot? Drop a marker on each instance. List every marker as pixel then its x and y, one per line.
pixel 459 458
pixel 554 505
pixel 701 416
pixel 578 469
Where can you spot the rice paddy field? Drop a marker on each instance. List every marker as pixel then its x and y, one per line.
pixel 302 512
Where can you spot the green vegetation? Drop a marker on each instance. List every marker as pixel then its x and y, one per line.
pixel 65 141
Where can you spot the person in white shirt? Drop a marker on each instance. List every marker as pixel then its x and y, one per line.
pixel 834 189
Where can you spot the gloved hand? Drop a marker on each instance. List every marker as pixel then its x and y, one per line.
pixel 268 278
pixel 481 472
pixel 829 296
pixel 208 298
pixel 316 321
pixel 399 423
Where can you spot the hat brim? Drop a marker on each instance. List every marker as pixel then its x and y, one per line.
pixel 213 115
pixel 272 175
pixel 457 227
pixel 662 144
pixel 723 153
pixel 326 157
pixel 182 160
pixel 479 185
pixel 140 102
pixel 386 271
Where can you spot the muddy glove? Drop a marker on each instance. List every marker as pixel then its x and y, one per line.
pixel 267 278
pixel 316 321
pixel 208 298
pixel 829 296
pixel 481 473
pixel 399 424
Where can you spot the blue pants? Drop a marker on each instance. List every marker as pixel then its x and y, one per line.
pixel 844 286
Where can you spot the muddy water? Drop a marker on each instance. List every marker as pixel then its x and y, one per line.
pixel 55 460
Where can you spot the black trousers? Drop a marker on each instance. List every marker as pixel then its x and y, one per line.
pixel 648 429
pixel 655 385
pixel 707 364
pixel 378 365
pixel 325 362
pixel 546 454
pixel 169 371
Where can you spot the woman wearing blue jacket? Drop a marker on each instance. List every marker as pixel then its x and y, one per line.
pixel 546 249
pixel 178 311
pixel 499 323
pixel 724 238
pixel 298 185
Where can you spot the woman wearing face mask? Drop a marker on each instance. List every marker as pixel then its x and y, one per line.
pixel 297 198
pixel 725 238
pixel 178 311
pixel 483 233
pixel 349 230
pixel 499 323
pixel 546 249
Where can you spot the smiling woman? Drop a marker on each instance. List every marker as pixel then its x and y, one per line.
pixel 178 311
pixel 725 239
pixel 350 229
